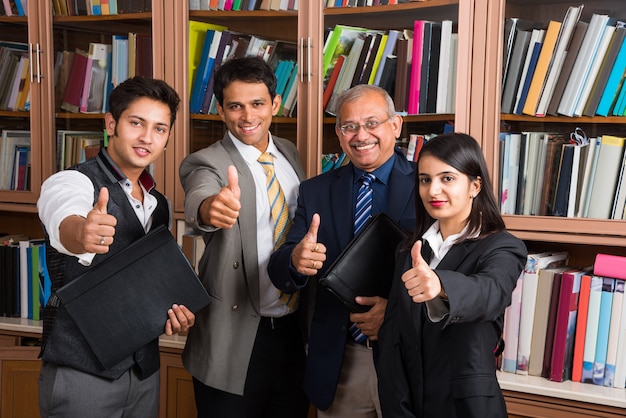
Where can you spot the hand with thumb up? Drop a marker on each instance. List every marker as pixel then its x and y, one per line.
pixel 99 227
pixel 421 282
pixel 222 210
pixel 309 255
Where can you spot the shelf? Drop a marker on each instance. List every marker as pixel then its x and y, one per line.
pixel 580 392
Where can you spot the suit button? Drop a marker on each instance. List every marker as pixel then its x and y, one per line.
pixel 236 265
pixel 192 220
pixel 235 307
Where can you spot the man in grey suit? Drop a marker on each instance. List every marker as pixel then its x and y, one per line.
pixel 247 354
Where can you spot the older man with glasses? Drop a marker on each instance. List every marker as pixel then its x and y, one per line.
pixel 340 377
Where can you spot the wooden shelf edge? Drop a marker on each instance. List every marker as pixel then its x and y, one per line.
pixel 574 391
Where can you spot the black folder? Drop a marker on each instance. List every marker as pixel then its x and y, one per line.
pixel 365 267
pixel 121 304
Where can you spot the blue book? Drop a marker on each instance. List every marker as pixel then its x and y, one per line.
pixel 604 322
pixel 620 105
pixel 197 90
pixel 29 260
pixel 281 83
pixel 529 76
pixel 219 57
pixel 611 90
pixel 20 9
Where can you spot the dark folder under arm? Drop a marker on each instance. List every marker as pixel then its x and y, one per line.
pixel 121 304
pixel 365 267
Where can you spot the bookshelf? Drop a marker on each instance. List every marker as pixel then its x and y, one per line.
pixel 480 25
pixel 581 237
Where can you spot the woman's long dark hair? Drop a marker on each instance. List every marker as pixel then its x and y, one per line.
pixel 462 152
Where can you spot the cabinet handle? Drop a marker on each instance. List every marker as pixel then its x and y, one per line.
pixel 39 76
pixel 308 60
pixel 30 61
pixel 301 60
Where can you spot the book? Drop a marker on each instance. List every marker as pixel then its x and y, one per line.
pixel 511 83
pixel 614 330
pixel 605 176
pixel 205 68
pixel 608 265
pixel 9 141
pixel 541 322
pixel 567 66
pixel 611 89
pixel 531 171
pixel 390 47
pixel 587 178
pixel 416 67
pixel 566 31
pixel 541 69
pixel 197 32
pixel 511 328
pixel 581 327
pixel 604 322
pixel 591 335
pixel 605 70
pixel 534 264
pixel 530 63
pixel 76 81
pixel 509 190
pixel 430 67
pixel 94 87
pixel 619 201
pixel 582 65
pixel 619 377
pixel 339 42
pixel 605 41
pixel 564 332
pixel 444 66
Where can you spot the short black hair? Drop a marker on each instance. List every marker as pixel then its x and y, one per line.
pixel 137 87
pixel 246 69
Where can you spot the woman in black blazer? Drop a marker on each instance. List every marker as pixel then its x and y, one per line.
pixel 452 283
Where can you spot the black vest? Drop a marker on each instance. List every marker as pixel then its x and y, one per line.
pixel 63 344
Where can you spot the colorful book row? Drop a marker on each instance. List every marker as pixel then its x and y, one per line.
pixel 99 7
pixel 551 174
pixel 569 67
pixel 567 323
pixel 238 5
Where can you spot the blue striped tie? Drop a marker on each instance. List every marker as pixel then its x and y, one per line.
pixel 362 213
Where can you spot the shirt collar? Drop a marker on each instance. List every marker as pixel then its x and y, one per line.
pixel 382 173
pixel 146 180
pixel 250 153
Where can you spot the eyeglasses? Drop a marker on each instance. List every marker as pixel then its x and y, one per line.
pixel 351 129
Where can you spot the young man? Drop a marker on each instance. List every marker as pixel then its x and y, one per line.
pixel 340 378
pixel 246 354
pixel 90 212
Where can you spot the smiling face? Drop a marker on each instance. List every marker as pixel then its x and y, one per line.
pixel 368 150
pixel 247 111
pixel 447 194
pixel 140 135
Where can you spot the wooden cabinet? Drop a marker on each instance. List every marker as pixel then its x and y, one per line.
pixel 480 25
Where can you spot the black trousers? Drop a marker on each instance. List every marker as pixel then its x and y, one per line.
pixel 273 386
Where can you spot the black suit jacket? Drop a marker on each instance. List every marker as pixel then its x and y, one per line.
pixel 447 368
pixel 330 195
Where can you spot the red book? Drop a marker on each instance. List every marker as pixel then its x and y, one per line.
pixel 330 86
pixel 75 83
pixel 567 310
pixel 581 328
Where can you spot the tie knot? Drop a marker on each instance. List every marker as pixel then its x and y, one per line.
pixel 267 162
pixel 367 179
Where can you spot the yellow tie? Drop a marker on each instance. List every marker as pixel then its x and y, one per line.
pixel 280 215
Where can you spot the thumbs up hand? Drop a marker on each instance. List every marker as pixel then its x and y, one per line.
pixel 421 282
pixel 222 209
pixel 99 228
pixel 309 255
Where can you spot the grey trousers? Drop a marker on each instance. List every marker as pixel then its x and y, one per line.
pixel 68 393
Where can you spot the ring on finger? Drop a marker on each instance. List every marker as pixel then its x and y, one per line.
pixel 314 264
pixel 101 239
pixel 317 247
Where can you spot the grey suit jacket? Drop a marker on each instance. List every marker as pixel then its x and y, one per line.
pixel 220 343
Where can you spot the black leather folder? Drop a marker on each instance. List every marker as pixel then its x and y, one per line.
pixel 121 304
pixel 365 266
